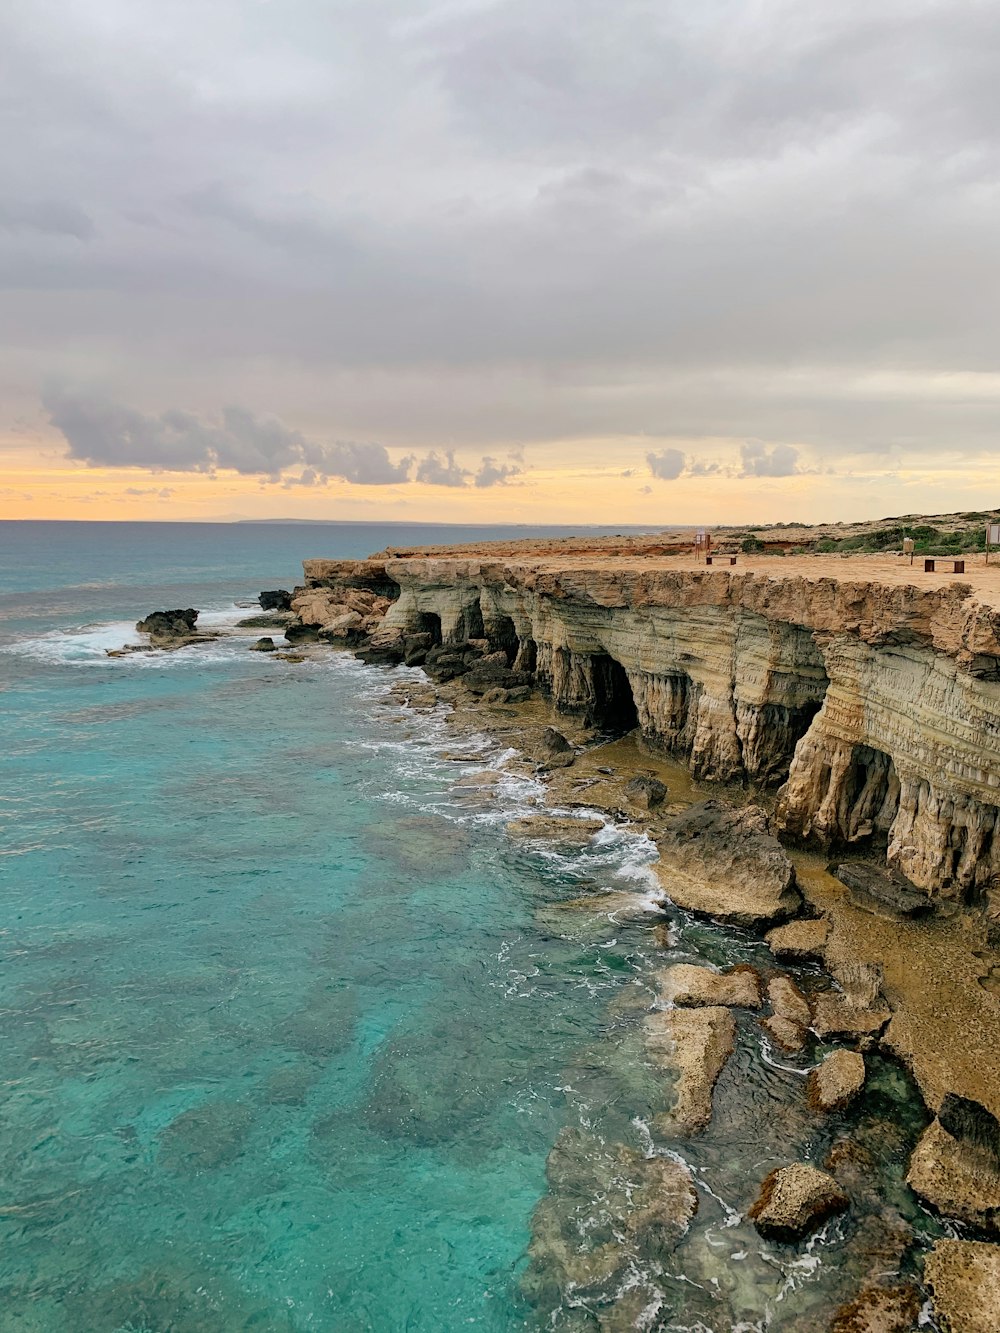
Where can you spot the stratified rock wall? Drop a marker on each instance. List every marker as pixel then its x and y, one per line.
pixel 878 705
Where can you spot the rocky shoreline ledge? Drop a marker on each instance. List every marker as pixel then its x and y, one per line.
pixel 765 724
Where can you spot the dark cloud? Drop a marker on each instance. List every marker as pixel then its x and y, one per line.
pixel 668 464
pixel 107 434
pixel 441 471
pixel 759 461
pixel 492 473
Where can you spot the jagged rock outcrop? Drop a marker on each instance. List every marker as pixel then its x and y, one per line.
pixel 721 860
pixel 964 1278
pixel 691 986
pixel 170 629
pixel 877 705
pixel 794 1200
pixel 693 1045
pixel 956 1164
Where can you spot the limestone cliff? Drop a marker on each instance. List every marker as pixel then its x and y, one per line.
pixel 875 704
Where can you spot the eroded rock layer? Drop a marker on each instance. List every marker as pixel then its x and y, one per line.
pixel 877 706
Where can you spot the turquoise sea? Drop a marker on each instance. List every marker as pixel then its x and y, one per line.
pixel 290 1026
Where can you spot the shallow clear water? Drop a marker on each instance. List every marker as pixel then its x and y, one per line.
pixel 290 1026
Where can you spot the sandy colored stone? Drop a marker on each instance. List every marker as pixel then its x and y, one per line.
pixel 794 1200
pixel 720 861
pixel 694 1044
pixel 788 1002
pixel 834 1016
pixel 799 941
pixel 835 1083
pixel 689 985
pixel 786 1033
pixel 554 828
pixel 880 1309
pixel 956 1179
pixel 964 1280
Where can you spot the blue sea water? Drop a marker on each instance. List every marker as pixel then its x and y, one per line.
pixel 290 1025
pixel 283 1040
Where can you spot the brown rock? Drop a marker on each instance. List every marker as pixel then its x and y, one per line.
pixel 788 1002
pixel 690 986
pixel 835 1082
pixel 800 941
pixel 695 1045
pixel 795 1200
pixel 957 1178
pixel 964 1280
pixel 789 1035
pixel 720 860
pixel 554 828
pixel 834 1016
pixel 880 1310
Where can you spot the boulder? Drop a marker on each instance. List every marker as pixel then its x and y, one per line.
pixel 835 1083
pixel 415 649
pixel 720 860
pixel 800 941
pixel 690 986
pixel 878 1309
pixel 788 1002
pixel 786 1033
pixel 265 645
pixel 297 632
pixel 694 1045
pixel 276 599
pixel 646 791
pixel 955 1166
pixel 885 892
pixel 794 1200
pixel 348 625
pixel 964 1281
pixel 170 629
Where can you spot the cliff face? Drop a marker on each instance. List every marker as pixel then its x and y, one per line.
pixel 876 705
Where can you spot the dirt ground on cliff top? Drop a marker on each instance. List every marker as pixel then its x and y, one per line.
pixel 647 554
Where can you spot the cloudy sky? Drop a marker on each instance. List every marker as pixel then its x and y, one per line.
pixel 499 259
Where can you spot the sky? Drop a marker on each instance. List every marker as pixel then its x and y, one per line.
pixel 649 261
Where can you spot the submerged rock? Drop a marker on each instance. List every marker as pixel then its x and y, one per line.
pixel 877 1309
pixel 609 1212
pixel 835 1083
pixel 693 1044
pixel 964 1281
pixel 800 941
pixel 265 645
pixel 722 862
pixel 794 1200
pixel 205 1137
pixel 691 986
pixel 554 828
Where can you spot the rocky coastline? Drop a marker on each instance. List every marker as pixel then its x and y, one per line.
pixel 816 758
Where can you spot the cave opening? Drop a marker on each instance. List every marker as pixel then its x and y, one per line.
pixel 429 622
pixel 472 621
pixel 502 635
pixel 614 707
pixel 526 658
pixel 871 796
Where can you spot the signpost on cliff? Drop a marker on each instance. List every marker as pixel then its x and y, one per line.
pixel 908 548
pixel 992 538
pixel 702 542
